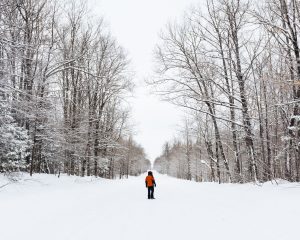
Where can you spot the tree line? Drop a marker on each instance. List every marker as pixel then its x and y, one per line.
pixel 63 84
pixel 234 65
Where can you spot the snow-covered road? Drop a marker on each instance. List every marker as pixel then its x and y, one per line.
pixel 71 208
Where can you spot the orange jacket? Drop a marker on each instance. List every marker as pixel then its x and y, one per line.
pixel 150 181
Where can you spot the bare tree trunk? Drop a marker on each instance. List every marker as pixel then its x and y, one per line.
pixel 230 11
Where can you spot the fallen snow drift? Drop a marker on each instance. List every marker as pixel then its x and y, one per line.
pixel 70 208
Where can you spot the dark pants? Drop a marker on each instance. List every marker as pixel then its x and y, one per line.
pixel 150 192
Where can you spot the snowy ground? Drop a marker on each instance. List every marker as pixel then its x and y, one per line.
pixel 71 208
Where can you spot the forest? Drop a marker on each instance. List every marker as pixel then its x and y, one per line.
pixel 118 114
pixel 63 83
pixel 234 66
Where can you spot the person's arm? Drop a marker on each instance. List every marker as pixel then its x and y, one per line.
pixel 146 182
pixel 154 183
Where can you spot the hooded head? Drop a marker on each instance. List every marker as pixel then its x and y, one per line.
pixel 150 173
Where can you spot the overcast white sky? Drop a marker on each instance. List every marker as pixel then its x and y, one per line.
pixel 136 24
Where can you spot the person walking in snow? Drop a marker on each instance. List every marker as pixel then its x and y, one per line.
pixel 150 184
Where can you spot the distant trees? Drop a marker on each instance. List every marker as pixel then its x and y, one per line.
pixel 62 81
pixel 234 67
